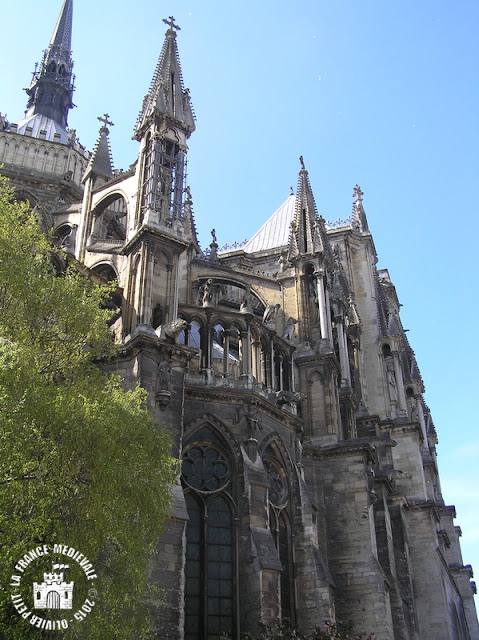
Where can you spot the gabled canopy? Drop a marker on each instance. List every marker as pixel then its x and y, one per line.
pixel 100 162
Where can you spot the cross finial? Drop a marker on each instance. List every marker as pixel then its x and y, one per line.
pixel 105 121
pixel 302 163
pixel 357 193
pixel 171 23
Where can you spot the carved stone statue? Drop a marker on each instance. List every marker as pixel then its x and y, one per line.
pixel 171 330
pixel 288 333
pixel 163 381
pixel 208 293
pixel 68 240
pixel 164 376
pixel 213 255
pixel 392 386
pixel 269 315
pixel 253 422
pixel 245 306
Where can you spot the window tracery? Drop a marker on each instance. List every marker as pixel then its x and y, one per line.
pixel 280 527
pixel 210 558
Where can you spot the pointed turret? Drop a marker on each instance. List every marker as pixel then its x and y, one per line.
pixel 51 89
pixel 358 215
pixel 306 229
pixel 167 96
pixel 100 163
pixel 163 127
pixel 190 225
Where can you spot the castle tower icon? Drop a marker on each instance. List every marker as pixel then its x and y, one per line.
pixel 53 592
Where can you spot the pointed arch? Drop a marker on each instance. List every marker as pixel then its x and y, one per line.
pixel 110 219
pixel 106 270
pixel 282 480
pixel 208 472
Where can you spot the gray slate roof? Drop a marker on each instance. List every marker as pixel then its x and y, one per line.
pixel 275 231
pixel 39 122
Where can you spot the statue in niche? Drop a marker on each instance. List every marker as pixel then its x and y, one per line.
pixel 163 381
pixel 164 375
pixel 288 333
pixel 413 409
pixel 312 288
pixel 269 315
pixel 392 385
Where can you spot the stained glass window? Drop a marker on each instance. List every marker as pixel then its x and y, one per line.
pixel 209 591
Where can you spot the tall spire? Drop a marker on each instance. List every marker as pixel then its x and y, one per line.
pixel 167 96
pixel 305 232
pixel 51 89
pixel 164 125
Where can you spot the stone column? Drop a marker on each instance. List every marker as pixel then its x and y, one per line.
pixel 343 355
pixel 272 363
pixel 256 361
pixel 280 381
pixel 328 316
pixel 246 354
pixel 144 285
pixel 323 318
pixel 152 173
pixel 226 352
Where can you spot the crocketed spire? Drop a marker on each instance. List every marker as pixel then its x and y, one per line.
pixel 167 95
pixel 100 162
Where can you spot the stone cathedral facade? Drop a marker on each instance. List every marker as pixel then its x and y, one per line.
pixel 309 488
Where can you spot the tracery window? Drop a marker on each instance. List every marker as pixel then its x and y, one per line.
pixel 279 522
pixel 210 557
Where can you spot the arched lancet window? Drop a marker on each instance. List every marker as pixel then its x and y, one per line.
pixel 280 527
pixel 191 337
pixel 282 368
pixel 114 301
pixel 210 557
pixel 265 362
pixel 225 356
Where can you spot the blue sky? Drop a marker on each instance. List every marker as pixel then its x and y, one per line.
pixel 383 93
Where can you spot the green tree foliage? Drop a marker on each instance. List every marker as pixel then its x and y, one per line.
pixel 81 462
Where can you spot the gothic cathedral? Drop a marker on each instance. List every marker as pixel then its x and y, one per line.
pixel 309 488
